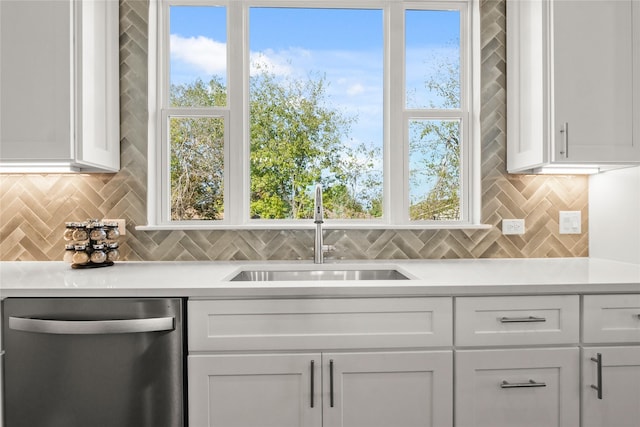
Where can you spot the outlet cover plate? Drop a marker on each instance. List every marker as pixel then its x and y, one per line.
pixel 512 226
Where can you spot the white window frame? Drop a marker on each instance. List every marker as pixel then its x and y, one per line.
pixel 236 116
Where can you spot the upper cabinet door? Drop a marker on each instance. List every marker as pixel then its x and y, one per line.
pixel 59 86
pixel 571 84
pixel 592 80
pixel 35 83
pixel 636 72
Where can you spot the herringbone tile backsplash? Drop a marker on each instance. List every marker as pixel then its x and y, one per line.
pixel 34 208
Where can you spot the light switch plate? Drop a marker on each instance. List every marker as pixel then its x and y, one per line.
pixel 570 222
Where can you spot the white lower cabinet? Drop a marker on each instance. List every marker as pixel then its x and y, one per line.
pixel 610 363
pixel 368 389
pixel 399 389
pixel 337 362
pixel 517 388
pixel 615 400
pixel 516 361
pixel 270 390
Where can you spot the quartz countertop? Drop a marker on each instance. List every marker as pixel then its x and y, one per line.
pixel 211 279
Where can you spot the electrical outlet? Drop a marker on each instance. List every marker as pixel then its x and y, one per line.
pixel 570 222
pixel 513 226
pixel 122 225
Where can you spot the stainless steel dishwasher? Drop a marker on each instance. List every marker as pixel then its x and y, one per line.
pixel 93 362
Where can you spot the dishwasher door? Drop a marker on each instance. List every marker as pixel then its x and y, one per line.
pixel 93 362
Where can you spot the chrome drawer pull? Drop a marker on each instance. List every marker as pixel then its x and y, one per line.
pixel 530 319
pixel 529 384
pixel 598 360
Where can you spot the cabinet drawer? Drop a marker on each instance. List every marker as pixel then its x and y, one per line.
pixel 525 388
pixel 520 320
pixel 611 318
pixel 290 324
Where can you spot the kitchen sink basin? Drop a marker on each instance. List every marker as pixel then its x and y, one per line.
pixel 305 275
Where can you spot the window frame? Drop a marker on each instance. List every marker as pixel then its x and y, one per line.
pixel 236 116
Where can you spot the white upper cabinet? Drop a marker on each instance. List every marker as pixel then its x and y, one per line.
pixel 572 85
pixel 59 86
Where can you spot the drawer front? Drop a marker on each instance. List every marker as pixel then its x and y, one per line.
pixel 519 320
pixel 525 388
pixel 611 318
pixel 294 324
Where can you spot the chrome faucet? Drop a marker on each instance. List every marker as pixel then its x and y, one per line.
pixel 318 219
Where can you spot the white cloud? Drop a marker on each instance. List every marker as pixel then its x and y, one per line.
pixel 202 53
pixel 268 60
pixel 355 89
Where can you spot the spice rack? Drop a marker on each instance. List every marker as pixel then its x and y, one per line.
pixel 91 244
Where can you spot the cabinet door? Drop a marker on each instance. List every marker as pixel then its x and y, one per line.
pixel 592 81
pixel 620 383
pixel 35 106
pixel 271 390
pixel 517 388
pixel 400 389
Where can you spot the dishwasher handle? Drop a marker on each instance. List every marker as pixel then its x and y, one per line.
pixel 92 327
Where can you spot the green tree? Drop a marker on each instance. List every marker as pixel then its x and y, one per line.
pixel 295 137
pixel 197 153
pixel 297 140
pixel 437 143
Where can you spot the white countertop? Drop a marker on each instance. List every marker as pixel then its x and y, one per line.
pixel 201 279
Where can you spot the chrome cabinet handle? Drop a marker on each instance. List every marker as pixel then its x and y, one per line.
pixel 531 383
pixel 92 327
pixel 530 319
pixel 331 383
pixel 598 387
pixel 565 133
pixel 312 381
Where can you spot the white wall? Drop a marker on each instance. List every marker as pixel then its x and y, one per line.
pixel 614 215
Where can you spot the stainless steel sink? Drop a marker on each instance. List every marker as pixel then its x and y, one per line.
pixel 305 275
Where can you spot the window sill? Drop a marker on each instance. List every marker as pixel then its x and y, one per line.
pixel 310 226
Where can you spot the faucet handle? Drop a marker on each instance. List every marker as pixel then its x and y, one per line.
pixel 328 248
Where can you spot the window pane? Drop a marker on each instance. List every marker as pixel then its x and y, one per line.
pixel 198 56
pixel 316 111
pixel 434 164
pixel 197 168
pixel 432 49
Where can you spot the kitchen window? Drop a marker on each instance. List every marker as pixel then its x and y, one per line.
pixel 253 102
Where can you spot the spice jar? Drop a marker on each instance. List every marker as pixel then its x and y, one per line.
pixel 69 250
pixel 98 256
pixel 68 232
pixel 98 234
pixel 80 233
pixel 80 256
pixel 113 254
pixel 112 232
